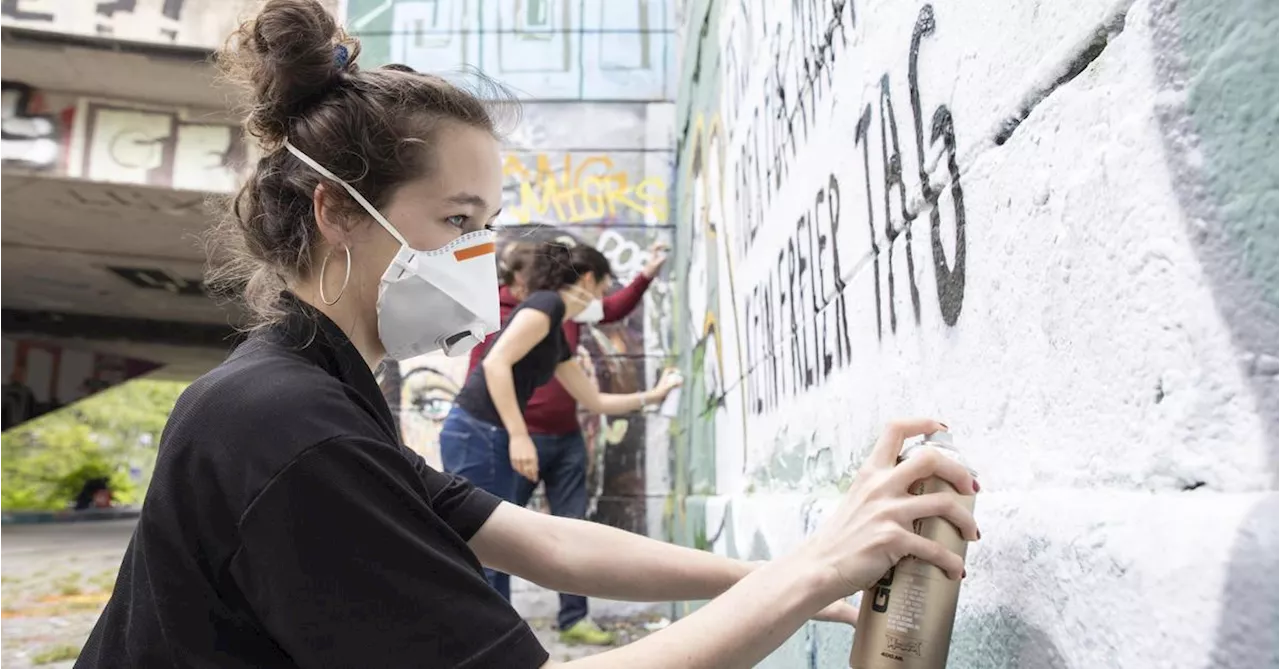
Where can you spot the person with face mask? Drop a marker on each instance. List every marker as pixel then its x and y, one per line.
pixel 551 415
pixel 486 438
pixel 286 525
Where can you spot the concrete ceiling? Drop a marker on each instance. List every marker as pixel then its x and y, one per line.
pixel 112 68
pixel 109 267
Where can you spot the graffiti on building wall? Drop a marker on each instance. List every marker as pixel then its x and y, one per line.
pixel 158 19
pixel 40 377
pixel 202 23
pixel 580 189
pixel 160 147
pixel 30 138
pixel 542 49
pixel 122 142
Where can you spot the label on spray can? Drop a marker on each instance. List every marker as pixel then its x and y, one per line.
pixel 906 618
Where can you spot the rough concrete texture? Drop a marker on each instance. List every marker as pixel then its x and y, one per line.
pixel 1051 224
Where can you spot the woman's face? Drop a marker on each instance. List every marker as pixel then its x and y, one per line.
pixel 593 286
pixel 462 193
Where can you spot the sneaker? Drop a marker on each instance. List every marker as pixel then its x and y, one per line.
pixel 586 632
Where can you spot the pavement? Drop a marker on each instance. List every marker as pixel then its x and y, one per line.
pixel 56 577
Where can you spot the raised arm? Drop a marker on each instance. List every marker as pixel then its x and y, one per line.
pixel 622 302
pixel 587 393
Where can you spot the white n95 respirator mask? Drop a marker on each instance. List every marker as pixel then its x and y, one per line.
pixel 446 299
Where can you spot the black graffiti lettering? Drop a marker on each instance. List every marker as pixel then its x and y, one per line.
pixel 842 315
pixel 790 298
pixel 838 9
pixel 800 68
pixel 950 280
pixel 776 274
pixel 860 138
pixel 774 340
pixel 799 345
pixel 813 370
pixel 891 154
pixel 777 307
pixel 821 293
pixel 802 17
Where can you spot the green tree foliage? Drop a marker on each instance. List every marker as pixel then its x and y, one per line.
pixel 44 462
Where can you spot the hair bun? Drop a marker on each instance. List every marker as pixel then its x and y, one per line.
pixel 287 57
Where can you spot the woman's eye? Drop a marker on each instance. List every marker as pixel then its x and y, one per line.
pixel 458 221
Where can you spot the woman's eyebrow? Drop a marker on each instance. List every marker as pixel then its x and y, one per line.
pixel 467 198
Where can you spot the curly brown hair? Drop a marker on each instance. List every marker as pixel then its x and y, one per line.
pixel 372 128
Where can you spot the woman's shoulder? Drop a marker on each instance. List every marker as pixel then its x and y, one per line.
pixel 546 301
pixel 245 421
pixel 263 402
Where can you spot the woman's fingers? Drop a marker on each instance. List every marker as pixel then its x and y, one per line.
pixel 946 505
pixel 934 553
pixel 932 463
pixel 885 453
pixel 526 467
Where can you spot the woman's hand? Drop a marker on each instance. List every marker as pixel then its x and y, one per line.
pixel 871 530
pixel 657 257
pixel 671 379
pixel 524 457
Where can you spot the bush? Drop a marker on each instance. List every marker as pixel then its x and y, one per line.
pixel 45 462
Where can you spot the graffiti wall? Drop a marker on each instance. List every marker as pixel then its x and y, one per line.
pixel 542 49
pixel 122 141
pixel 1052 225
pixel 40 377
pixel 195 23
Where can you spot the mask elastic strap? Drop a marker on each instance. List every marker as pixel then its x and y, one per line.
pixel 377 216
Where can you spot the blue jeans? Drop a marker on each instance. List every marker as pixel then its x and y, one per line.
pixel 478 452
pixel 562 466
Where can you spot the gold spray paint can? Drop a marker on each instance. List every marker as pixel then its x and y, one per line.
pixel 906 618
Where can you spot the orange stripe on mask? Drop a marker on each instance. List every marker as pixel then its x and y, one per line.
pixel 473 251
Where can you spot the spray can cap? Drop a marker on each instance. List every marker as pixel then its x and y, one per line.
pixel 941 438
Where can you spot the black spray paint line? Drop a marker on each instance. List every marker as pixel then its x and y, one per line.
pixel 1071 62
pixel 1071 59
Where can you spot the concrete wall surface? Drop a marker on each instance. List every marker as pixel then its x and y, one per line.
pixel 1050 224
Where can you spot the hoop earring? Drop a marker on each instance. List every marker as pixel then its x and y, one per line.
pixel 325 263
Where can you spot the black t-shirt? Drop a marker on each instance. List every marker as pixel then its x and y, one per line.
pixel 287 526
pixel 537 367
